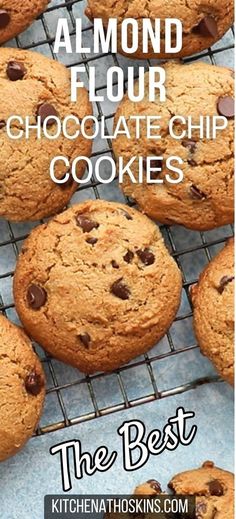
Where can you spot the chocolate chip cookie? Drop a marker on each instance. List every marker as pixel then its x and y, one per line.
pixel 149 488
pixel 22 389
pixel 34 86
pixel 145 491
pixel 213 301
pixel 16 16
pixel 203 23
pixel 214 488
pixel 204 198
pixel 96 286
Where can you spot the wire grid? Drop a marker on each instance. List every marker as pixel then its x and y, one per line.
pixel 191 250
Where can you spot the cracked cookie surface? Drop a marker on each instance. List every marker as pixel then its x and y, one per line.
pixel 213 302
pixel 31 86
pixel 16 16
pixel 204 199
pixel 204 22
pixel 96 286
pixel 22 389
pixel 213 487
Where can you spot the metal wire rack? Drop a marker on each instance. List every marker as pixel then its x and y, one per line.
pixel 72 397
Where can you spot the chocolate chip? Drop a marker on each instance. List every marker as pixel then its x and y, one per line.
pixel 190 144
pixel 154 163
pixel 196 193
pixel 115 264
pixel 208 27
pixel 47 110
pixel 85 339
pixel 201 508
pixel 15 70
pixel 2 124
pixel 69 182
pixel 34 383
pixel 36 296
pixel 192 162
pixel 225 280
pixel 209 464
pixel 155 485
pixel 129 256
pixel 171 487
pixel 119 289
pixel 146 256
pixel 215 488
pixel 127 215
pixel 91 240
pixel 4 18
pixel 225 106
pixel 85 223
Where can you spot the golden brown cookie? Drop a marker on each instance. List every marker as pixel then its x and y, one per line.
pixel 204 198
pixel 16 16
pixel 96 286
pixel 33 85
pixel 22 389
pixel 204 23
pixel 149 488
pixel 213 301
pixel 214 488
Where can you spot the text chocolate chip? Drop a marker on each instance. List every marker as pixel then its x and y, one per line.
pixel 36 296
pixel 119 289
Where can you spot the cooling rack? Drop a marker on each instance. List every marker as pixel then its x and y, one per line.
pixel 72 397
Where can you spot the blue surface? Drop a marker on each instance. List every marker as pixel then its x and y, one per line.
pixel 25 479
